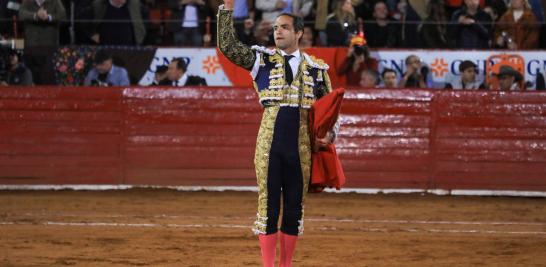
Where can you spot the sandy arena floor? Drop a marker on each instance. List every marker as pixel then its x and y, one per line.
pixel 169 228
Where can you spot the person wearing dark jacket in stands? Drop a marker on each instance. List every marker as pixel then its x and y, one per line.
pixel 471 26
pixel 122 23
pixel 187 21
pixel 382 32
pixel 178 76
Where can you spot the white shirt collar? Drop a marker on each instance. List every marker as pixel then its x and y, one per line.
pixel 296 54
pixel 182 81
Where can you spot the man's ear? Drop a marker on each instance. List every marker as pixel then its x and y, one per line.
pixel 299 35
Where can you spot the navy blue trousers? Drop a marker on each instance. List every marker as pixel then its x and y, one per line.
pixel 285 174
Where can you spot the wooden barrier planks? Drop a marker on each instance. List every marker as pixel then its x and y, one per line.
pixel 206 136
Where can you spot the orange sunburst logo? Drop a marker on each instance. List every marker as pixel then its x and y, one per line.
pixel 211 64
pixel 439 67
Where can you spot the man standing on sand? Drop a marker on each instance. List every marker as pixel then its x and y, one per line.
pixel 287 82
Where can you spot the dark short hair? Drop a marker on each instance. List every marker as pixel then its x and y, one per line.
pixel 180 63
pixel 101 56
pixel 387 70
pixel 409 57
pixel 161 69
pixel 467 64
pixel 297 21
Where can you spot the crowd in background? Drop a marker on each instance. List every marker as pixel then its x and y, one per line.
pixel 435 24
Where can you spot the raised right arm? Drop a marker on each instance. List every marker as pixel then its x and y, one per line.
pixel 231 47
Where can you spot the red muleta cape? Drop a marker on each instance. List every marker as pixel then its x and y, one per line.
pixel 326 170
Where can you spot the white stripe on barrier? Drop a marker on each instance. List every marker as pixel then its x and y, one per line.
pixel 153 225
pixel 454 192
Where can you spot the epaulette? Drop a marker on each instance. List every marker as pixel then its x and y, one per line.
pixel 263 50
pixel 316 62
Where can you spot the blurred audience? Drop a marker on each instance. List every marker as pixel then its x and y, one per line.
pixel 105 73
pixel 308 38
pixel 433 29
pixel 341 24
pixel 178 76
pixel 243 20
pixel 468 81
pixel 382 32
pixel 471 26
pixel 119 22
pixel 187 22
pixel 415 75
pixel 518 28
pixel 41 20
pixel 15 72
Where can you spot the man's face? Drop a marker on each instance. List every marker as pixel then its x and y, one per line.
pixel 468 75
pixel 516 4
pixel 472 4
pixel 389 79
pixel 414 62
pixel 173 72
pixel 307 36
pixel 380 11
pixel 104 67
pixel 505 82
pixel 13 60
pixel 284 33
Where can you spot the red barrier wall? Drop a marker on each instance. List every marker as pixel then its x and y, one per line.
pixel 205 136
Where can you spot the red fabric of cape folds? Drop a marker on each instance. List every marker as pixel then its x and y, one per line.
pixel 326 170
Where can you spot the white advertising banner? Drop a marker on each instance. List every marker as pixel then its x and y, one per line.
pixel 442 64
pixel 201 62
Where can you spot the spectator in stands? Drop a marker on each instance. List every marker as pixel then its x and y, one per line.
pixel 42 18
pixel 341 24
pixel 509 78
pixel 119 22
pixel 187 22
pixel 369 79
pixel 415 75
pixel 358 59
pixel 272 8
pixel 308 38
pixel 263 34
pixel 243 20
pixel 411 16
pixel 389 78
pixel 471 26
pixel 8 9
pixel 246 35
pixel 105 73
pixel 160 76
pixel 468 81
pixel 16 73
pixel 382 32
pixel 433 30
pixel 41 22
pixel 177 75
pixel 517 28
pixel 492 12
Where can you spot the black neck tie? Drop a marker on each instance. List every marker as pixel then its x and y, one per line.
pixel 289 76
